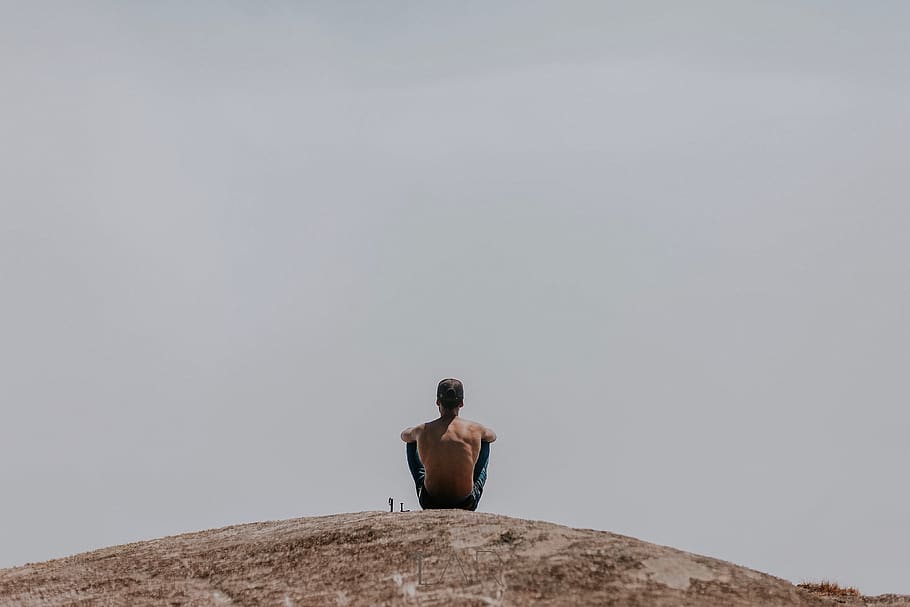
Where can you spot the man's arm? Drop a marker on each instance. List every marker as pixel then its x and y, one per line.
pixel 488 436
pixel 409 435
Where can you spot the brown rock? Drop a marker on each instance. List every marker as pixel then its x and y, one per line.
pixel 411 558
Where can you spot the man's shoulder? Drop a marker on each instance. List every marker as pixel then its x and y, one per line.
pixel 471 422
pixel 472 426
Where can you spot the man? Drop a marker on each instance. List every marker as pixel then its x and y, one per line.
pixel 448 456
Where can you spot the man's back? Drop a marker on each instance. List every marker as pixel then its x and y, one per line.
pixel 449 448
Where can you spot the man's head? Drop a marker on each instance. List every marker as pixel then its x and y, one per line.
pixel 450 394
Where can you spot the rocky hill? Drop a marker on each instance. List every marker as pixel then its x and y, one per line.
pixel 410 558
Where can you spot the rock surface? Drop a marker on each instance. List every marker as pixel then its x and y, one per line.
pixel 411 558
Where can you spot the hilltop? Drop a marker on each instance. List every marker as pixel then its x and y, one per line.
pixel 410 558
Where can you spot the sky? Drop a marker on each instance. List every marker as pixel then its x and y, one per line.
pixel 663 244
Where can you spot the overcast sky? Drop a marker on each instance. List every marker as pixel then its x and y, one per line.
pixel 664 244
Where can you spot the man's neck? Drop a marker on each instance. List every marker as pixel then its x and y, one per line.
pixel 448 415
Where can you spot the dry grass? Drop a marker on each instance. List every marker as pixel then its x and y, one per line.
pixel 826 588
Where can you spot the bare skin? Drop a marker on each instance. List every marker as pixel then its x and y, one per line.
pixel 449 447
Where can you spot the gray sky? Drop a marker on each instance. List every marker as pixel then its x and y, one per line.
pixel 664 245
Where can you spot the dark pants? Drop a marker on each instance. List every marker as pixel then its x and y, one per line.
pixel 427 501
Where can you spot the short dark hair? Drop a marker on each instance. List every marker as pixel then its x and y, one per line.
pixel 450 392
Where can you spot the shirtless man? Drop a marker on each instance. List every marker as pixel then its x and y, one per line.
pixel 454 450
